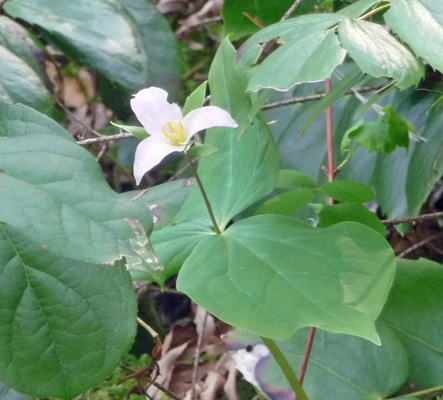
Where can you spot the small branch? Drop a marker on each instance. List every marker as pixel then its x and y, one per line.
pixel 307 353
pixel 316 97
pixel 255 21
pixel 104 138
pixel 205 196
pixel 291 10
pixel 198 350
pixel 419 218
pixel 416 246
pixel 166 390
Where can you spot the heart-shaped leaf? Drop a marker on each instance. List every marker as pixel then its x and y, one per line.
pixel 273 275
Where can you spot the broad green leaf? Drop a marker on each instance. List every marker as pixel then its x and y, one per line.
pixel 290 179
pixel 309 58
pixel 334 214
pixel 22 78
pixel 420 24
pixel 159 43
pixel 348 367
pixel 389 132
pixel 358 8
pixel 195 99
pixel 349 192
pixel 292 30
pixel 413 312
pixel 100 34
pixel 11 394
pixel 137 131
pixel 264 11
pixel 265 268
pixel 286 203
pixel 54 192
pixel 175 243
pixel 378 53
pixel 245 168
pixel 338 90
pixel 64 323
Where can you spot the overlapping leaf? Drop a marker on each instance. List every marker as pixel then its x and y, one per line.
pixel 55 194
pixel 378 53
pixel 277 275
pixel 420 24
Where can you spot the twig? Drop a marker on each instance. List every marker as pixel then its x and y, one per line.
pixel 166 390
pixel 419 244
pixel 291 10
pixel 198 350
pixel 418 218
pixel 107 138
pixel 316 97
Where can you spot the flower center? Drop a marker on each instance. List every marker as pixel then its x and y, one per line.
pixel 174 132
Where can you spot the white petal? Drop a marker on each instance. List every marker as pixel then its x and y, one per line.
pixel 149 153
pixel 206 117
pixel 153 110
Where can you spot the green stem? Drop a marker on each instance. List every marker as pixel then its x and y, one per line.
pixel 286 369
pixel 419 393
pixel 374 11
pixel 203 192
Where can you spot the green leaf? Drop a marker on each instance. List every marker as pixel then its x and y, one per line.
pixel 348 367
pixel 286 203
pixel 101 34
pixel 291 30
pixel 64 324
pixel 54 192
pixel 174 244
pixel 245 168
pixel 413 312
pixel 137 131
pixel 378 53
pixel 349 192
pixel 420 24
pixel 338 90
pixel 202 150
pixel 290 179
pixel 195 99
pixel 334 214
pixel 268 267
pixel 389 132
pixel 264 11
pixel 358 8
pixel 307 58
pixel 22 78
pixel 157 40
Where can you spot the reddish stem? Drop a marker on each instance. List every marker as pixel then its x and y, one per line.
pixel 331 172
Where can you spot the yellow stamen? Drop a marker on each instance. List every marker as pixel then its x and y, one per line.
pixel 176 132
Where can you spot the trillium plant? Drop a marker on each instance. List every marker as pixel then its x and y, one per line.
pixel 169 130
pixel 274 236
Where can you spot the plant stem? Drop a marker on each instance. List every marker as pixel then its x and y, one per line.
pixel 308 348
pixel 418 218
pixel 374 11
pixel 330 140
pixel 419 393
pixel 286 369
pixel 203 192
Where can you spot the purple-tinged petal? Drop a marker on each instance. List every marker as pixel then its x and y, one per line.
pixel 153 110
pixel 204 118
pixel 149 153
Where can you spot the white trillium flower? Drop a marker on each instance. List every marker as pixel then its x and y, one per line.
pixel 169 131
